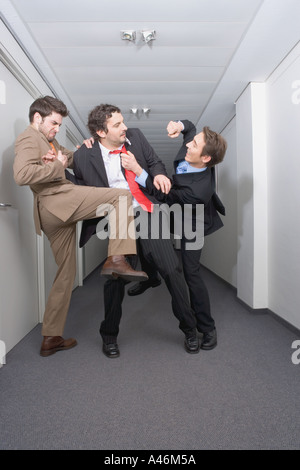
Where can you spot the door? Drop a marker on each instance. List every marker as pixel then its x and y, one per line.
pixel 18 242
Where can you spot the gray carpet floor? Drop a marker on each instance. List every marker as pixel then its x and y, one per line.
pixel 242 395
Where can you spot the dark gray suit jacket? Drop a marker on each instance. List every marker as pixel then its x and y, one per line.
pixel 193 188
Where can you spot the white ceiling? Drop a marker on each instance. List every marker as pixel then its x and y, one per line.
pixel 205 53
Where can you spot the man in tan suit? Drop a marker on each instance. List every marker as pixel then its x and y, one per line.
pixel 40 162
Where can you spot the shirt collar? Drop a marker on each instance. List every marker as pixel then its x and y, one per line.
pixel 185 167
pixel 105 151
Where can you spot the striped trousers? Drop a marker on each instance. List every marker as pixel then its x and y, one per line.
pixel 157 254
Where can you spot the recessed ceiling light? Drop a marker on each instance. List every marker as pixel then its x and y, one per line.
pixel 148 35
pixel 128 35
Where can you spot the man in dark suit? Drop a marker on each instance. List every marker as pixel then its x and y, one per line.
pixel 101 166
pixel 193 183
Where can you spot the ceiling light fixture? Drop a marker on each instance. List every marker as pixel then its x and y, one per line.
pixel 128 35
pixel 146 110
pixel 148 35
pixel 134 110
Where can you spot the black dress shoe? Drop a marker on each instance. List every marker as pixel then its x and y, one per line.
pixel 111 350
pixel 209 340
pixel 139 288
pixel 192 344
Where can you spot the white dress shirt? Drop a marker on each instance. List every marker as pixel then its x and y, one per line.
pixel 115 177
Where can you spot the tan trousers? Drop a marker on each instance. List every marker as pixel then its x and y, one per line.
pixel 62 237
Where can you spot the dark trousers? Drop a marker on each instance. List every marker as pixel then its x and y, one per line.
pixel 199 296
pixel 159 255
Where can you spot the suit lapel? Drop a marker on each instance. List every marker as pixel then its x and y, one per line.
pixel 133 149
pixel 128 147
pixel 213 177
pixel 98 164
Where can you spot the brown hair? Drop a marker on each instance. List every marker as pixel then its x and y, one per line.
pixel 46 105
pixel 215 146
pixel 98 117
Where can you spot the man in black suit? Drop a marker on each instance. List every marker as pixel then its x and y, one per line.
pixel 100 166
pixel 193 183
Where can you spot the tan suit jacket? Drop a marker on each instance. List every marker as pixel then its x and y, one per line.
pixel 45 180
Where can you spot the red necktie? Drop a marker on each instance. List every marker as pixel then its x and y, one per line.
pixel 136 192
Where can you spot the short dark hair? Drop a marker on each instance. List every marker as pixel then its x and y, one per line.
pixel 98 118
pixel 215 146
pixel 46 105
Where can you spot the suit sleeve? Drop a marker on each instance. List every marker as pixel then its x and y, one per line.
pixel 77 178
pixel 169 198
pixel 188 134
pixel 28 166
pixel 177 195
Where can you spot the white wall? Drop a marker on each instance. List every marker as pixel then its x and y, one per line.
pixel 220 249
pixel 252 268
pixel 33 86
pixel 19 306
pixel 266 277
pixel 283 132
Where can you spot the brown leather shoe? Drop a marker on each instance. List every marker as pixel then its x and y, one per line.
pixel 117 266
pixel 52 344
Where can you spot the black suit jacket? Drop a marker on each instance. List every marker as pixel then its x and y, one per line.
pixel 193 188
pixel 89 170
